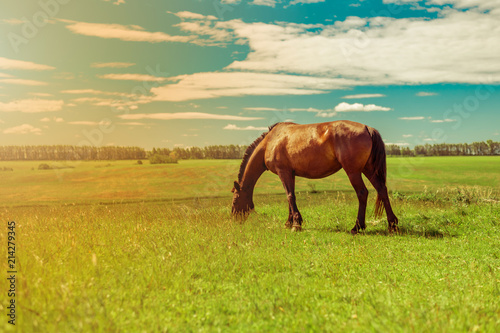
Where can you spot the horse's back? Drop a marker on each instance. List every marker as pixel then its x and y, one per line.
pixel 317 150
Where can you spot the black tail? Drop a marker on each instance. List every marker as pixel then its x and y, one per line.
pixel 377 158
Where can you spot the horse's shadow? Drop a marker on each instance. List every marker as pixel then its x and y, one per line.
pixel 430 233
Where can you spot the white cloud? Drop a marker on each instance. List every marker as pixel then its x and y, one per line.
pixel 123 32
pixel 213 85
pixel 13 21
pixel 411 118
pixel 4 75
pixel 184 115
pixel 32 105
pixel 309 110
pixel 407 135
pixel 270 3
pixel 130 101
pixel 457 46
pixel 24 65
pixel 127 101
pixel 425 94
pixel 353 52
pixel 56 119
pixel 346 107
pixel 327 113
pixel 84 123
pixel 94 92
pixel 443 120
pixel 112 64
pixel 193 16
pixel 23 82
pixel 207 31
pixel 132 77
pixel 247 128
pixel 133 123
pixel 358 96
pixel 460 4
pixel 116 2
pixel 23 129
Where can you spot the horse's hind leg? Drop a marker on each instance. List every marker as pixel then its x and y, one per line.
pixel 294 218
pixel 384 196
pixel 362 193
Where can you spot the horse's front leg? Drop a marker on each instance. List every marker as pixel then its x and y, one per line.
pixel 362 194
pixel 289 222
pixel 294 218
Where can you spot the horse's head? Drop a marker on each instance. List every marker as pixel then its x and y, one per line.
pixel 242 201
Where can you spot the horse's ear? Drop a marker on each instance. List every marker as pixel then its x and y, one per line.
pixel 236 186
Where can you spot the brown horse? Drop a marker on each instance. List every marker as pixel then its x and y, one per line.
pixel 316 151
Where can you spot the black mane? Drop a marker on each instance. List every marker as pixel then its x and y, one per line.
pixel 250 151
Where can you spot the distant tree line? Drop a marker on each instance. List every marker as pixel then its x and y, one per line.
pixel 89 153
pixel 70 153
pixel 160 155
pixel 487 148
pixel 227 152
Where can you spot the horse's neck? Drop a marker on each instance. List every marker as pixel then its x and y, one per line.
pixel 253 170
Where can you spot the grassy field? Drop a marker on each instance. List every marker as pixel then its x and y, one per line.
pixel 116 246
pixel 126 181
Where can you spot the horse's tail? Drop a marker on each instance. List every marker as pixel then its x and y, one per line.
pixel 378 161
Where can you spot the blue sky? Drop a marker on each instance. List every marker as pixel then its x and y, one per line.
pixel 203 72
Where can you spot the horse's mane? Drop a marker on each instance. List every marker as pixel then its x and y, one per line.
pixel 250 151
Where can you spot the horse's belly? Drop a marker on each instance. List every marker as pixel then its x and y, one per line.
pixel 305 163
pixel 317 168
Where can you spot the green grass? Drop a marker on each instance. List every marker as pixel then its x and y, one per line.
pixel 172 259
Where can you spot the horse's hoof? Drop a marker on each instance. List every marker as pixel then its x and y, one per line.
pixel 393 229
pixel 297 227
pixel 288 225
pixel 354 232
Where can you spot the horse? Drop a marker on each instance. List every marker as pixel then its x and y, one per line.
pixel 316 151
